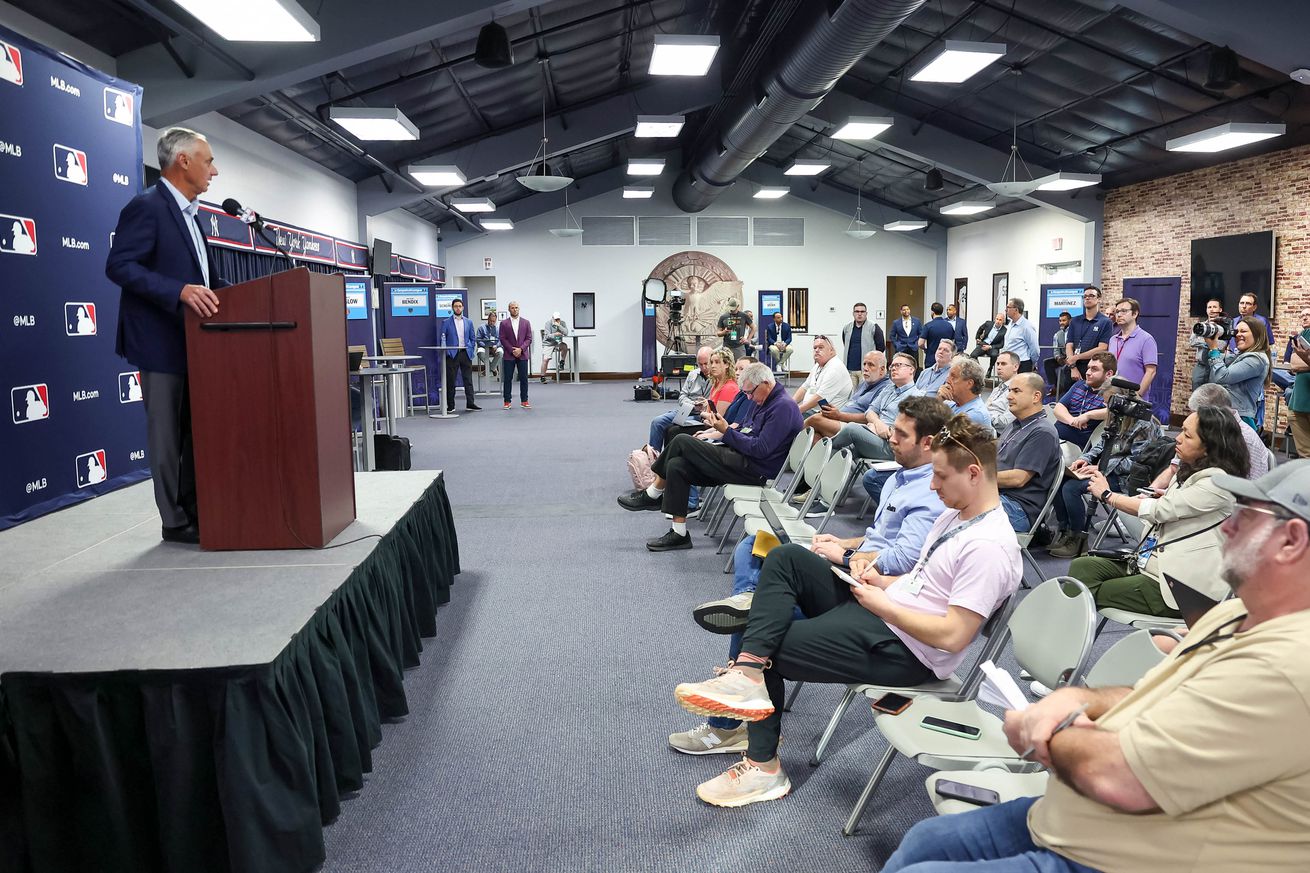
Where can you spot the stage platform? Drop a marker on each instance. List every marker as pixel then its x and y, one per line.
pixel 167 708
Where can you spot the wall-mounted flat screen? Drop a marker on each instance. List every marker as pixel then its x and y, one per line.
pixel 381 257
pixel 1226 267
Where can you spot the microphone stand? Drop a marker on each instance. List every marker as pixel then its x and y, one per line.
pixel 272 240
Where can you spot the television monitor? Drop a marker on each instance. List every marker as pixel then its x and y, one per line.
pixel 1227 267
pixel 381 257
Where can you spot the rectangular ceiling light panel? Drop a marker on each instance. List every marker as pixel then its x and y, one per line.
pixel 861 127
pixel 768 193
pixel 255 20
pixel 437 176
pixel 637 193
pixel 472 204
pixel 652 126
pixel 371 124
pixel 959 60
pixel 905 225
pixel 967 207
pixel 645 166
pixel 682 55
pixel 1225 136
pixel 497 224
pixel 806 168
pixel 1067 181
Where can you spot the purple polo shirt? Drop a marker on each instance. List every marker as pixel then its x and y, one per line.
pixel 1134 354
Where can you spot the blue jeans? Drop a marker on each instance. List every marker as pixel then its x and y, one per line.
pixel 993 839
pixel 658 425
pixel 1019 519
pixel 1071 509
pixel 511 366
pixel 873 482
pixel 745 576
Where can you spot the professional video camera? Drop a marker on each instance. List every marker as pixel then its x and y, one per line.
pixel 1216 329
pixel 1127 403
pixel 677 300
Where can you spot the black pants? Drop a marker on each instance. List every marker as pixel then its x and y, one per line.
pixel 838 641
pixel 508 368
pixel 687 461
pixel 1027 366
pixel 464 366
pixel 167 400
pixel 1057 375
pixel 991 357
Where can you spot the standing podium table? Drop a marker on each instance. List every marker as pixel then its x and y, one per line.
pixel 270 414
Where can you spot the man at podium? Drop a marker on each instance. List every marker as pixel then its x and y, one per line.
pixel 160 261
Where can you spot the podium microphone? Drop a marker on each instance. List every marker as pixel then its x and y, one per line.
pixel 250 217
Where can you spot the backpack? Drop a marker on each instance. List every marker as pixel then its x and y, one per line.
pixel 1148 463
pixel 639 462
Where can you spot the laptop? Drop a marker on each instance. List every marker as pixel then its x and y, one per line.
pixel 1191 603
pixel 775 523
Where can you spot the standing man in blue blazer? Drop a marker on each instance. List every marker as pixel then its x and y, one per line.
pixel 458 331
pixel 961 328
pixel 160 260
pixel 906 332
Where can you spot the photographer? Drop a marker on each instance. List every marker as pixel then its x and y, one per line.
pixel 735 328
pixel 1182 537
pixel 1246 373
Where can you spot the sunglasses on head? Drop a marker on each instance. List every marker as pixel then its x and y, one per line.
pixel 947 433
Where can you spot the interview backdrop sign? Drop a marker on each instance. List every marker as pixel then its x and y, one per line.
pixel 70 159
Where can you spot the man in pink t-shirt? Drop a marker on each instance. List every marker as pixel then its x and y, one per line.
pixel 902 630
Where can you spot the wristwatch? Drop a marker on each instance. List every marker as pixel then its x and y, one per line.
pixel 1105 496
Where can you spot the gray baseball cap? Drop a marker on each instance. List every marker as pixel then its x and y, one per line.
pixel 1287 485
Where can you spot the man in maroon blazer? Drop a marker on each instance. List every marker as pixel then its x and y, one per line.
pixel 516 342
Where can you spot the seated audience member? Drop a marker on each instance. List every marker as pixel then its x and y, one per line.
pixel 1129 436
pixel 1244 373
pixel 748 456
pixel 828 380
pixel 963 389
pixel 998 401
pixel 1054 366
pixel 989 340
pixel 934 377
pixel 901 629
pixel 695 386
pixel 1082 407
pixel 830 419
pixel 891 545
pixel 869 439
pixel 1201 766
pixel 490 353
pixel 719 395
pixel 1218 397
pixel 1182 538
pixel 1028 457
pixel 554 341
pixel 739 409
pixel 777 334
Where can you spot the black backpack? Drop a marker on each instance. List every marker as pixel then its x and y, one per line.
pixel 1148 463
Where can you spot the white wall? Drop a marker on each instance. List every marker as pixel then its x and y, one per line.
pixel 542 271
pixel 408 234
pixel 1016 244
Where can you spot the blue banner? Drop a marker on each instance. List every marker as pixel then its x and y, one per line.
pixel 70 159
pixel 410 300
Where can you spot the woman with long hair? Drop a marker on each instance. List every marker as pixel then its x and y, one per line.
pixel 1182 535
pixel 1246 373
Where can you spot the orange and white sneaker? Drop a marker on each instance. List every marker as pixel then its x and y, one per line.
pixel 744 783
pixel 730 694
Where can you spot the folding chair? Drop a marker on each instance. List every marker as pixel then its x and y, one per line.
pixel 810 470
pixel 1026 538
pixel 800 448
pixel 831 480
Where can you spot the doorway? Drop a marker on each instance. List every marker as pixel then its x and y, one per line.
pixel 903 291
pixel 1159 317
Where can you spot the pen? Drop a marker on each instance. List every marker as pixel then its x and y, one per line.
pixel 1064 723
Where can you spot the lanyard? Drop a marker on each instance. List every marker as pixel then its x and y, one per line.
pixel 1010 437
pixel 917 582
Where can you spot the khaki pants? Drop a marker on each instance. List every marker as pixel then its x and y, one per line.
pixel 1300 426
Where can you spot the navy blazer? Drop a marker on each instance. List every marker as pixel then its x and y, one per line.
pixel 903 343
pixel 961 334
pixel 450 337
pixel 151 259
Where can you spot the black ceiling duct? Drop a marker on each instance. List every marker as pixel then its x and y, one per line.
pixel 932 180
pixel 493 50
pixel 1222 72
pixel 830 46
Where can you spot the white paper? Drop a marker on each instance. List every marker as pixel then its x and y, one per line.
pixel 999 688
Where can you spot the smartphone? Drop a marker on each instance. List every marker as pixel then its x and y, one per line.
pixel 968 793
pixel 847 577
pixel 1148 492
pixel 824 403
pixel 892 704
pixel 1302 342
pixel 954 728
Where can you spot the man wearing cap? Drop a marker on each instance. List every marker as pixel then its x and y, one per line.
pixel 734 325
pixel 554 342
pixel 1203 765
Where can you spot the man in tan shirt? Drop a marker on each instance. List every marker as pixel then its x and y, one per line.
pixel 1203 765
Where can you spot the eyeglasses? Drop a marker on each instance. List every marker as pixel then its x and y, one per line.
pixel 896 364
pixel 1280 515
pixel 946 434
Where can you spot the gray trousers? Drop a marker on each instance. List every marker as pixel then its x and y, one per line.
pixel 168 445
pixel 863 442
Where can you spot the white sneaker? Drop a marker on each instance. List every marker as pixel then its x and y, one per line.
pixel 706 740
pixel 1038 689
pixel 744 783
pixel 729 694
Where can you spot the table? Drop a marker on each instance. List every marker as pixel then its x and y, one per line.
pixel 368 375
pixel 441 396
pixel 577 371
pixel 399 393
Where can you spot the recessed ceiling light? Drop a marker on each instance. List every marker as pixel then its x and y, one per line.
pixel 496 224
pixel 645 166
pixel 1067 181
pixel 905 225
pixel 767 193
pixel 1225 136
pixel 436 176
pixel 255 20
pixel 958 60
pixel 651 126
pixel 967 207
pixel 372 124
pixel 682 55
pixel 806 168
pixel 860 127
pixel 638 193
pixel 472 204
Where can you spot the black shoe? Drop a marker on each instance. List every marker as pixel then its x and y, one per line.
pixel 187 533
pixel 670 542
pixel 472 407
pixel 818 509
pixel 640 500
pixel 450 409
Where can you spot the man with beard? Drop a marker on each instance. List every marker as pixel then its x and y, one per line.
pixel 1203 765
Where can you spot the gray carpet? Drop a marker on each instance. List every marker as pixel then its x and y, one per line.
pixel 537 734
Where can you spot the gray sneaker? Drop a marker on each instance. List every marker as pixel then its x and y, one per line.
pixel 706 740
pixel 725 616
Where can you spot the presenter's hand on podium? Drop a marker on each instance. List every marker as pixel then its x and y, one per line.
pixel 201 300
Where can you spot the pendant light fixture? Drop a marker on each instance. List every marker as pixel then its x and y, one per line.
pixel 539 178
pixel 568 230
pixel 859 228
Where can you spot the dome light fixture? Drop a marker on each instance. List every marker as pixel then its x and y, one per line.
pixel 539 178
pixel 859 228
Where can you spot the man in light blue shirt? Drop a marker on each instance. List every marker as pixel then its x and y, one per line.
pixel 870 439
pixel 963 392
pixel 894 542
pixel 830 419
pixel 1021 336
pixel 934 377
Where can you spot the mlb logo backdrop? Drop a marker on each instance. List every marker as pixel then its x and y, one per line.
pixel 70 159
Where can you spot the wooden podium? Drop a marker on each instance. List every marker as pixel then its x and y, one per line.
pixel 270 415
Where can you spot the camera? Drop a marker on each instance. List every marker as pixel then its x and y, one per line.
pixel 1218 329
pixel 1128 404
pixel 677 300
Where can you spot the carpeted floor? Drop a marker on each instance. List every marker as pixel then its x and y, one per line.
pixel 537 734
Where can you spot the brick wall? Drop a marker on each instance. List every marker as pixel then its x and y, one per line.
pixel 1149 230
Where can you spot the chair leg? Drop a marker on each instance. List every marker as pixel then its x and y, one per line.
pixel 791 698
pixel 878 772
pixel 864 510
pixel 725 506
pixel 731 564
pixel 732 524
pixel 831 729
